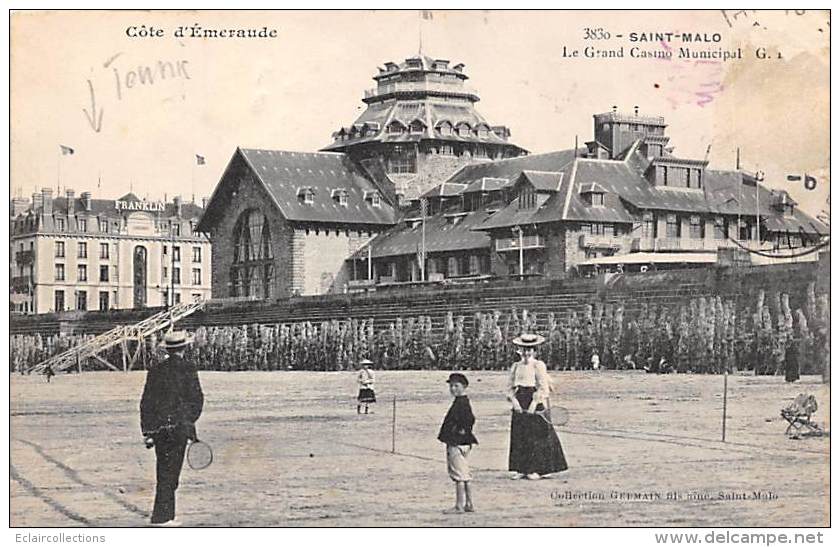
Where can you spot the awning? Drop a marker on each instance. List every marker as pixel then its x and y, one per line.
pixel 653 258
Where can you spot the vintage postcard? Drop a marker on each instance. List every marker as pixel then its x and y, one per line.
pixel 420 268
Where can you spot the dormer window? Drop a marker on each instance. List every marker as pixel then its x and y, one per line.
pixel 373 197
pixel 593 194
pixel 395 128
pixel 482 131
pixel 464 130
pixel 784 203
pixel 340 195
pixel 306 194
pixel 445 128
pixel 417 127
pixel 455 218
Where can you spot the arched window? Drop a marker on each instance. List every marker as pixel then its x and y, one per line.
pixel 252 271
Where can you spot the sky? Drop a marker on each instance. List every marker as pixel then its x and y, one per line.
pixel 291 92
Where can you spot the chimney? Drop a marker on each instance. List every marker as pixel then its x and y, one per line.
pixel 636 110
pixel 18 206
pixel 86 200
pixel 204 201
pixel 47 204
pixel 615 108
pixel 178 203
pixel 37 201
pixel 71 200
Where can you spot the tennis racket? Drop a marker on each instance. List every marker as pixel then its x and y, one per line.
pixel 199 455
pixel 554 416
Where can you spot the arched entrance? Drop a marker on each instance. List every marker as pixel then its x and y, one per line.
pixel 140 276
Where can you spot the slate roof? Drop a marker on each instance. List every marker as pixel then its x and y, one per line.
pixel 626 179
pixel 513 215
pixel 511 168
pixel 445 189
pixel 378 116
pixel 545 181
pixel 284 174
pixel 441 236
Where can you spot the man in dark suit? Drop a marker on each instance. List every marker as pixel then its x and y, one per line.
pixel 171 404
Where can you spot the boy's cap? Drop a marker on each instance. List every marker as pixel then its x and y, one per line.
pixel 459 378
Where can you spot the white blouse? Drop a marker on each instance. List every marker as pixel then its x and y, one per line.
pixel 530 373
pixel 366 378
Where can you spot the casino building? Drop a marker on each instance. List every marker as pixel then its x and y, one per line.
pixel 80 253
pixel 421 188
pixel 624 202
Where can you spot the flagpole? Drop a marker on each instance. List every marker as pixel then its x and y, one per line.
pixel 58 179
pixel 757 217
pixel 192 175
pixel 740 190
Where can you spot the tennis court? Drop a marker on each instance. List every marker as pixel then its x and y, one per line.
pixel 291 451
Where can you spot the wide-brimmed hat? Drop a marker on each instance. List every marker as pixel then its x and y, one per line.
pixel 528 340
pixel 457 377
pixel 176 339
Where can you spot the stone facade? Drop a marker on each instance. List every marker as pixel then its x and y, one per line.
pixel 250 194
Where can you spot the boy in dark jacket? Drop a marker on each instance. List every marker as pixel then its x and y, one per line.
pixel 171 404
pixel 456 432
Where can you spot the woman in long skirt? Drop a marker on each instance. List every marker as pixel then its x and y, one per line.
pixel 366 395
pixel 535 449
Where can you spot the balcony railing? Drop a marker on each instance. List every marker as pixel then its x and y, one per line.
pixel 600 241
pixel 664 244
pixel 24 257
pixel 20 283
pixel 408 87
pixel 512 243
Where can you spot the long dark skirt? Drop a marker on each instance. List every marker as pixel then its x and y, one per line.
pixel 534 444
pixel 366 395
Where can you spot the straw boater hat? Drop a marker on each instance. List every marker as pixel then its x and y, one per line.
pixel 176 340
pixel 528 340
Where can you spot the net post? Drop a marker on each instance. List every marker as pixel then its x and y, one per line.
pixel 394 425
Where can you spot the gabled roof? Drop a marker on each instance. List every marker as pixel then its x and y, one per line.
pixel 485 184
pixel 442 235
pixel 445 189
pixel 511 168
pixel 592 188
pixel 544 181
pixel 513 215
pixel 283 174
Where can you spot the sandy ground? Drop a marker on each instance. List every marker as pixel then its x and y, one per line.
pixel 291 451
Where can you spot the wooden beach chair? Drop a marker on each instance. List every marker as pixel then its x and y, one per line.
pixel 798 416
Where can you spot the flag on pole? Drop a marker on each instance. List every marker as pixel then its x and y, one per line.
pixel 199 160
pixel 66 150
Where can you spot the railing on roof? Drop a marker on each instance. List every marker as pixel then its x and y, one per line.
pixel 419 86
